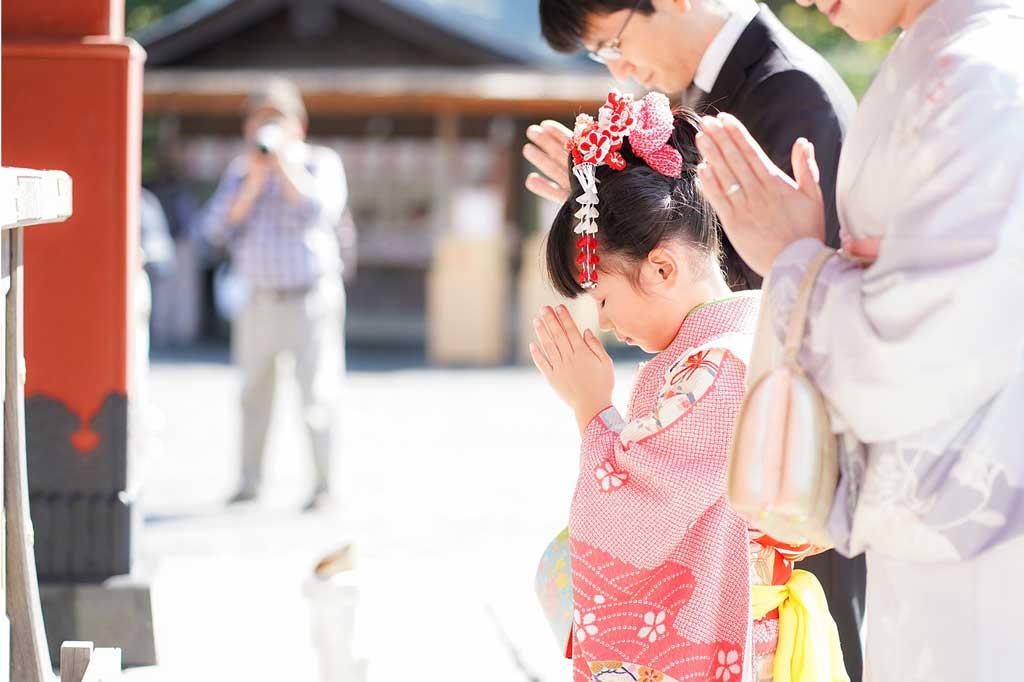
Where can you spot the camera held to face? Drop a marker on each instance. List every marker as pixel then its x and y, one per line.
pixel 269 138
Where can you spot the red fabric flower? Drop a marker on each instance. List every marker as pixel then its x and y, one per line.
pixel 594 145
pixel 616 160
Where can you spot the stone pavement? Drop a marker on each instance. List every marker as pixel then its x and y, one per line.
pixel 454 482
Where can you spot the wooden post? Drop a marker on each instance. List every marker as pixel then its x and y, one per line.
pixel 446 145
pixel 80 662
pixel 30 658
pixel 72 95
pixel 74 660
pixel 29 197
pixel 467 285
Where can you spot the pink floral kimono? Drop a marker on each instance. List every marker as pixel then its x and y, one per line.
pixel 661 565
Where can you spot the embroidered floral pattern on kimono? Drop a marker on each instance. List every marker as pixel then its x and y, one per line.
pixel 609 477
pixel 686 382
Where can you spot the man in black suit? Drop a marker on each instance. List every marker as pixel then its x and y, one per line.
pixel 719 55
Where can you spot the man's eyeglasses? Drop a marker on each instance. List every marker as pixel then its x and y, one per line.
pixel 611 51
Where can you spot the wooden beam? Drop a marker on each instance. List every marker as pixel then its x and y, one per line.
pixel 27 197
pixel 355 104
pixel 431 92
pixel 33 197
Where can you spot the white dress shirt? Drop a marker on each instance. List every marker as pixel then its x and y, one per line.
pixel 721 47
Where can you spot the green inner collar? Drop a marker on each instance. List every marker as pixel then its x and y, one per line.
pixel 724 299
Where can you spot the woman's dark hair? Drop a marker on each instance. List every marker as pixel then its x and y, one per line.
pixel 564 22
pixel 639 209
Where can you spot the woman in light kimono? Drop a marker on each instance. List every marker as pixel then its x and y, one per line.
pixel 916 337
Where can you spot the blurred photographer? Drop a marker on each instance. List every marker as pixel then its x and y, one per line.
pixel 278 212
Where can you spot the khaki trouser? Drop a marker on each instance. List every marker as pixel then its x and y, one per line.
pixel 309 327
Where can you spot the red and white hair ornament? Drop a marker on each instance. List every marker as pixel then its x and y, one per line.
pixel 649 125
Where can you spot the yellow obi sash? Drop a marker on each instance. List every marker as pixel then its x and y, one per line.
pixel 808 648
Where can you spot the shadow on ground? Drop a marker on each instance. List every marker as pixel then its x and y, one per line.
pixel 360 357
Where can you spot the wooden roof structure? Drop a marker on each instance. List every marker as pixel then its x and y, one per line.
pixel 360 57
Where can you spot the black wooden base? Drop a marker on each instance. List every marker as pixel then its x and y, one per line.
pixel 117 613
pixel 83 515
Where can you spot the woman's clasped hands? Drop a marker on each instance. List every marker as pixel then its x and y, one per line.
pixel 762 209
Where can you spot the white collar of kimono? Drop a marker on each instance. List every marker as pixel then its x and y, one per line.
pixel 722 46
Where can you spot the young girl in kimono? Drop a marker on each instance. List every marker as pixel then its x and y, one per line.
pixel 916 331
pixel 661 565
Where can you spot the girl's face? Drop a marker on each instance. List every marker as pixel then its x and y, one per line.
pixel 647 313
pixel 869 19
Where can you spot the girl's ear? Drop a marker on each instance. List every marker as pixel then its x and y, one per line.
pixel 664 265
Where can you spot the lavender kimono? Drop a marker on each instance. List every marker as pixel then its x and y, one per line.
pixel 921 355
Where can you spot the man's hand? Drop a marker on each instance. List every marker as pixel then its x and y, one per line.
pixel 577 366
pixel 762 209
pixel 546 151
pixel 257 169
pixel 299 184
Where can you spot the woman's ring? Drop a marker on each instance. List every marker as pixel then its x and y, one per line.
pixel 733 188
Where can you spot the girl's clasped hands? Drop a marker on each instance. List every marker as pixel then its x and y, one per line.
pixel 575 365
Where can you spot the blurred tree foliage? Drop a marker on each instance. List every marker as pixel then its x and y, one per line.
pixel 140 13
pixel 857 62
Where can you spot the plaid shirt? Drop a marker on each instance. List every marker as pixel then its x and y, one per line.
pixel 280 244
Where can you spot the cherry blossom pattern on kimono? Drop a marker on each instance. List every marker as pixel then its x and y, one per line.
pixel 686 382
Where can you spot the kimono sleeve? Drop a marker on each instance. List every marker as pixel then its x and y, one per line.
pixel 926 328
pixel 655 477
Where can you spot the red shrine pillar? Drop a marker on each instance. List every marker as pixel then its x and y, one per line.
pixel 72 99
